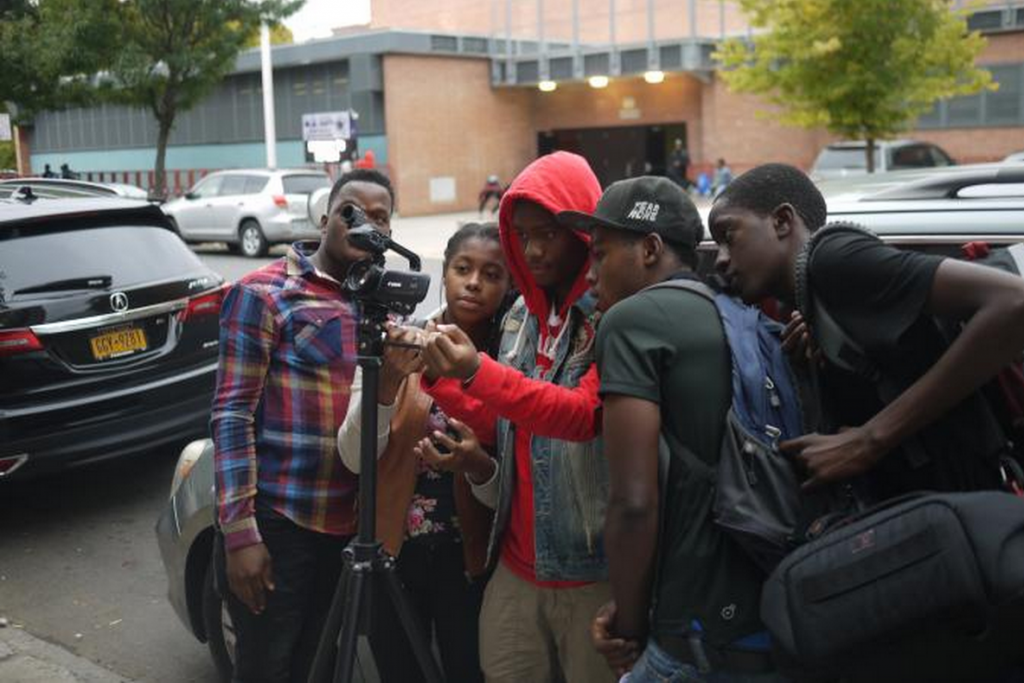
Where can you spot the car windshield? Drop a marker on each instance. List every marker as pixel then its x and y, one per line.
pixel 123 255
pixel 304 184
pixel 843 158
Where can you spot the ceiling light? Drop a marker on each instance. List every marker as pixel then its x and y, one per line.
pixel 547 86
pixel 598 81
pixel 654 76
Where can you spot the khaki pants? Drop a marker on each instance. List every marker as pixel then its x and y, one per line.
pixel 530 634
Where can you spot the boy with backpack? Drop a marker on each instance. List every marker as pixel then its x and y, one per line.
pixel 904 392
pixel 665 368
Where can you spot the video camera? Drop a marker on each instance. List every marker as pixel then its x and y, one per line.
pixel 369 282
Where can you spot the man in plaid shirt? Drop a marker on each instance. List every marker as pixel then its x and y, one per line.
pixel 285 502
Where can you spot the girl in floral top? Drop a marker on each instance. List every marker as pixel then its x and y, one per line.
pixel 426 513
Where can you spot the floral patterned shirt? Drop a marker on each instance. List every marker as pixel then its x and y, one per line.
pixel 431 517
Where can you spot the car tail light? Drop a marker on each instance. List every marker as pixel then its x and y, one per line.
pixel 204 304
pixel 18 341
pixel 281 200
pixel 11 463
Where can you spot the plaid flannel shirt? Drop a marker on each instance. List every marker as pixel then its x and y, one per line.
pixel 287 357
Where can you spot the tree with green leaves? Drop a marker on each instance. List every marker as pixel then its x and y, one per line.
pixel 862 69
pixel 50 51
pixel 173 53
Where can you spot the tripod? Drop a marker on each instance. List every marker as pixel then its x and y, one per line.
pixel 365 562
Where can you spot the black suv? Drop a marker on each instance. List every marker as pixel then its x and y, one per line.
pixel 108 333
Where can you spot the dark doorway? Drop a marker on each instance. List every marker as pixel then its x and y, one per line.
pixel 619 152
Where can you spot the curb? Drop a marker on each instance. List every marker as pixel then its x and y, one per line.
pixel 27 659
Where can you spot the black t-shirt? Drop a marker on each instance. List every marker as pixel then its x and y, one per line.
pixel 879 295
pixel 667 346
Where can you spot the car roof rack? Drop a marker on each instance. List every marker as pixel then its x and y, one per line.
pixel 948 183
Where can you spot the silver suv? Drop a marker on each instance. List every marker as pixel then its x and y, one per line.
pixel 842 159
pixel 248 209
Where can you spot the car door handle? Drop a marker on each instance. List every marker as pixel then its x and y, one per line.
pixel 209 206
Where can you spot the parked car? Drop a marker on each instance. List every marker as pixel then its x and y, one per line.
pixel 935 210
pixel 108 333
pixel 250 210
pixel 1015 158
pixel 843 159
pixel 52 188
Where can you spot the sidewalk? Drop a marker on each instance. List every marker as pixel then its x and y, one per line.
pixel 27 659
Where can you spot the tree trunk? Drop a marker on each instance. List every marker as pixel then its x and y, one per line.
pixel 159 188
pixel 869 149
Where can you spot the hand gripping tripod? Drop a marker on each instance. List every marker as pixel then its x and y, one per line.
pixel 365 563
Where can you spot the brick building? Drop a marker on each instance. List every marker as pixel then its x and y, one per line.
pixel 449 92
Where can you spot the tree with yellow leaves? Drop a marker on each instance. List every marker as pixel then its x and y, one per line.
pixel 863 69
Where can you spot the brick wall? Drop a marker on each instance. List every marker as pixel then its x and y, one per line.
pixel 672 18
pixel 745 131
pixel 444 120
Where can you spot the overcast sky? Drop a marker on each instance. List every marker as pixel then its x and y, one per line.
pixel 318 17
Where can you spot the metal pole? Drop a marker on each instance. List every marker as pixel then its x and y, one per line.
pixel 269 125
pixel 542 53
pixel 693 18
pixel 653 58
pixel 611 23
pixel 510 73
pixel 721 19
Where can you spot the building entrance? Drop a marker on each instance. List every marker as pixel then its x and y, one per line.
pixel 618 152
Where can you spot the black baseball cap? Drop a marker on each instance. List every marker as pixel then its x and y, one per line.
pixel 643 205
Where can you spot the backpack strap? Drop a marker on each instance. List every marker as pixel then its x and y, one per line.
pixel 837 345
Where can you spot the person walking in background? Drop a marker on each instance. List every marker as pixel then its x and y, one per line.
pixel 492 190
pixel 48 172
pixel 678 163
pixel 723 176
pixel 368 160
pixel 427 516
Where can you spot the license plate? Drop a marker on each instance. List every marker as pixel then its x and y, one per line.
pixel 122 341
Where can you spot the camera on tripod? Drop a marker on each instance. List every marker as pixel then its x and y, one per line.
pixel 369 282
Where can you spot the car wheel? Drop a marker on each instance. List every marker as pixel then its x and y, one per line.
pixel 220 632
pixel 254 244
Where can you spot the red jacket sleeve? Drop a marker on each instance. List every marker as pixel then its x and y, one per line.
pixel 455 402
pixel 545 408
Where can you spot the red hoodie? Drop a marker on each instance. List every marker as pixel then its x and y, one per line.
pixel 558 182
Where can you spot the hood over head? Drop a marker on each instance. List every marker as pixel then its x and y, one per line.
pixel 561 181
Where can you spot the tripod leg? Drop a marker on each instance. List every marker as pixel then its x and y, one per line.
pixel 328 646
pixel 417 639
pixel 357 584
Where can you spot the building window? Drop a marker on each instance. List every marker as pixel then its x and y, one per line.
pixel 1001 107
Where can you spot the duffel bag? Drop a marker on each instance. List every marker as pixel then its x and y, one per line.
pixel 925 587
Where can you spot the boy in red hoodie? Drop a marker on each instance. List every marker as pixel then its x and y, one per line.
pixel 538 402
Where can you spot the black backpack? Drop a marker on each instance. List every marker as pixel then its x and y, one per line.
pixel 758 501
pixel 922 588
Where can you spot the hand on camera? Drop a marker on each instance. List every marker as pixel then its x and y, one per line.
pixel 399 361
pixel 450 353
pixel 465 454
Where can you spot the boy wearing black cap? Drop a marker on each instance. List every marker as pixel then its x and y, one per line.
pixel 665 368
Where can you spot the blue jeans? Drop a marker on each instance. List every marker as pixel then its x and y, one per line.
pixel 657 666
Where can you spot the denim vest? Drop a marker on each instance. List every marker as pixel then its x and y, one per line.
pixel 570 480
